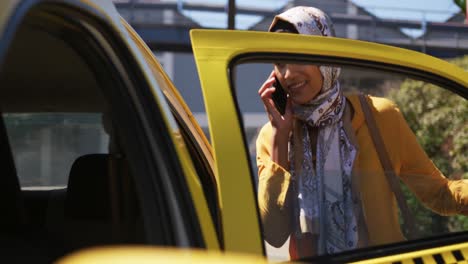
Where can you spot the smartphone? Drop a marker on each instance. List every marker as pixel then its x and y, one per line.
pixel 279 97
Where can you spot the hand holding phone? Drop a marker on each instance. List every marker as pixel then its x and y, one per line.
pixel 279 97
pixel 279 111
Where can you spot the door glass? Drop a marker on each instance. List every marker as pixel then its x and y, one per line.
pixel 339 199
pixel 62 135
pixel 45 145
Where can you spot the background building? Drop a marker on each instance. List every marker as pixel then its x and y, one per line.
pixel 165 26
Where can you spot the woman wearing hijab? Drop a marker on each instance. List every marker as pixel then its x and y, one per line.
pixel 320 180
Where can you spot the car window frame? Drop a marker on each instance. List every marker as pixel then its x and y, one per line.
pixel 214 49
pixel 195 140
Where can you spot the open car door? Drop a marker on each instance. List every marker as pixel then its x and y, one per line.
pixel 430 93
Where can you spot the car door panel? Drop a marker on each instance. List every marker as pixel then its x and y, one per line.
pixel 218 53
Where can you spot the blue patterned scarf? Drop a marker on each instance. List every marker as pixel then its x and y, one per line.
pixel 325 206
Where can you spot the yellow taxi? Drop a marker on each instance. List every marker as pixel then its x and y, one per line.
pixel 99 149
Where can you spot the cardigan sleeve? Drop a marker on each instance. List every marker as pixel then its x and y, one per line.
pixel 444 196
pixel 273 184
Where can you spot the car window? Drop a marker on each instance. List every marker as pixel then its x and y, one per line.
pixel 423 125
pixel 84 164
pixel 44 145
pixel 76 189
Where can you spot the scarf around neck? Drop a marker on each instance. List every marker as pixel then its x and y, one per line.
pixel 324 206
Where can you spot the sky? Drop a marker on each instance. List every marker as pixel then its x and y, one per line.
pixel 420 10
pixel 432 10
pixel 429 10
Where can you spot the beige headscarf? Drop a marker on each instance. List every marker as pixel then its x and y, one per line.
pixel 324 206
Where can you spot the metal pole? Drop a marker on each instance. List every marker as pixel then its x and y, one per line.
pixel 232 14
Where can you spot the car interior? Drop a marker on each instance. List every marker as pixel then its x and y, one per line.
pixel 65 181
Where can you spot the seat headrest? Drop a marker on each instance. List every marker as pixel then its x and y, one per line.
pixel 88 195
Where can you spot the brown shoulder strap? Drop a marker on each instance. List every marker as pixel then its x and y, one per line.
pixel 409 223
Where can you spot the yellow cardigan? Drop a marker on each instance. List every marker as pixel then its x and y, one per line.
pixel 410 163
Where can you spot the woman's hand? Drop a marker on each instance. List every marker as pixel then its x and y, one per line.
pixel 281 124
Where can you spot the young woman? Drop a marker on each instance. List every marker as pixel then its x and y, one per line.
pixel 320 180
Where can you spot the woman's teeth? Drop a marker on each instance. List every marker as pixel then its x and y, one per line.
pixel 297 85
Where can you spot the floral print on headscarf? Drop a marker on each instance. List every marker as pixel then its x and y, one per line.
pixel 307 21
pixel 325 206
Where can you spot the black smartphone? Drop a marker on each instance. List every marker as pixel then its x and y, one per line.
pixel 279 97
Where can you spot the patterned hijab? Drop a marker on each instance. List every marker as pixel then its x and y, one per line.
pixel 324 206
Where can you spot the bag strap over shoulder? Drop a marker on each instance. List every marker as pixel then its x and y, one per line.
pixel 409 222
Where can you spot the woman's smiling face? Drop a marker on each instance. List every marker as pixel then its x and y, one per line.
pixel 301 81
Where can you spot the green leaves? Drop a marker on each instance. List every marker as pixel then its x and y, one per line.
pixel 461 4
pixel 439 118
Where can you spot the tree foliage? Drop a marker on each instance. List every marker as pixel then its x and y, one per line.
pixel 438 117
pixel 461 4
